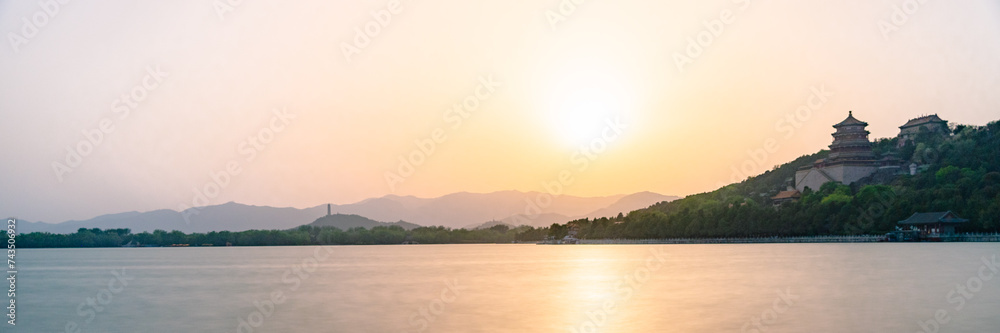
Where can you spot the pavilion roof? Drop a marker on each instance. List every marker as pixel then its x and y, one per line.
pixel 932 218
pixel 787 195
pixel 850 121
pixel 923 120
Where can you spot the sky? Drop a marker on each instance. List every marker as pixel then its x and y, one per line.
pixel 136 106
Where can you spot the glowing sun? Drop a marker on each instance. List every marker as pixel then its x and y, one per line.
pixel 583 104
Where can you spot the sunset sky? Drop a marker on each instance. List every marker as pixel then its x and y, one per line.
pixel 214 76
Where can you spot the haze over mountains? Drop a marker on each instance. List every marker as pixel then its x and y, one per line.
pixel 457 210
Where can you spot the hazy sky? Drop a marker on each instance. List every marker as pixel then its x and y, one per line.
pixel 186 83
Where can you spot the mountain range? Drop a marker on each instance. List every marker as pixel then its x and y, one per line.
pixel 457 210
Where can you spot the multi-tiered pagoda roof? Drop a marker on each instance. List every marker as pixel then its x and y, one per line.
pixel 850 141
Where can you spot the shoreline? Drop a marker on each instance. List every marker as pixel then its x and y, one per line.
pixel 962 238
pixel 968 238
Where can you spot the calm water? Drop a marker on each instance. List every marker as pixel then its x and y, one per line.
pixel 512 288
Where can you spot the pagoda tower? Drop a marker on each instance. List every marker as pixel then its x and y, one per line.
pixel 850 141
pixel 851 158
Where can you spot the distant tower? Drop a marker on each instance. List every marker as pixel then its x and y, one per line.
pixel 851 158
pixel 850 141
pixel 327 209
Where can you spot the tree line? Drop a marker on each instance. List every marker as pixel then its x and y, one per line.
pixel 303 235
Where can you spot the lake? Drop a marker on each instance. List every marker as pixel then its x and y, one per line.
pixel 885 287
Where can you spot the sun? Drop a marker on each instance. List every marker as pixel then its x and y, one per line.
pixel 582 106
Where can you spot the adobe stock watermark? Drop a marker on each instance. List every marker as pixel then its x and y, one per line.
pixel 581 159
pixel 364 34
pixel 91 306
pixel 928 156
pixel 780 305
pixel 625 288
pixel 248 148
pixel 868 217
pixel 11 309
pixel 427 314
pixel 48 9
pixel 900 15
pixel 961 294
pixel 224 7
pixel 424 148
pixel 789 123
pixel 123 106
pixel 292 278
pixel 703 39
pixel 563 10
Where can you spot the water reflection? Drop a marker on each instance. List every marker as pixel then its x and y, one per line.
pixel 514 288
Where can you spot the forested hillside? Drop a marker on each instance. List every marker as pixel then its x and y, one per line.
pixel 959 172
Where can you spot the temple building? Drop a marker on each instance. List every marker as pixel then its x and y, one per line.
pixel 933 224
pixel 789 195
pixel 851 158
pixel 932 123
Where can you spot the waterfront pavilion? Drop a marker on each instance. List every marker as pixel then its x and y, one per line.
pixel 939 223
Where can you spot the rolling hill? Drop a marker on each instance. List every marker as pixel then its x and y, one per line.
pixel 345 222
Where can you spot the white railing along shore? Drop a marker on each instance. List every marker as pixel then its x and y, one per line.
pixel 966 237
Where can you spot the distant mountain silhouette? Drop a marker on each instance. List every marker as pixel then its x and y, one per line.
pixel 344 222
pixel 229 216
pixel 539 220
pixel 455 210
pixel 624 205
pixel 465 209
pixel 629 203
